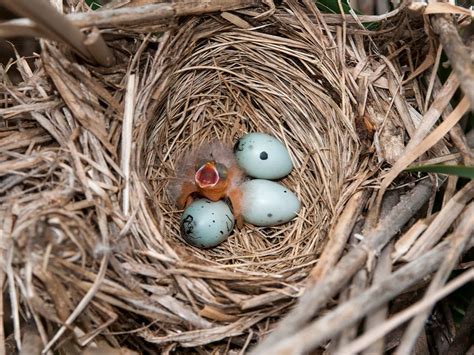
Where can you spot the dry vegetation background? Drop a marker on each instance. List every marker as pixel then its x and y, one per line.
pixel 91 123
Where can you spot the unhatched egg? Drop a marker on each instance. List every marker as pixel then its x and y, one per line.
pixel 263 156
pixel 267 203
pixel 206 224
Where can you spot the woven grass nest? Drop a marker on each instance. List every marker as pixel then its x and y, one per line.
pixel 91 238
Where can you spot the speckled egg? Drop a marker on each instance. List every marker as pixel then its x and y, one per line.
pixel 263 156
pixel 267 203
pixel 205 224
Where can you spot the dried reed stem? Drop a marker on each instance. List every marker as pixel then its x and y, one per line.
pixel 459 239
pixel 338 236
pixel 442 222
pixel 355 309
pixel 375 319
pixel 161 13
pixel 374 334
pixel 414 150
pixel 127 126
pixel 456 133
pixel 98 49
pixel 50 21
pixel 457 53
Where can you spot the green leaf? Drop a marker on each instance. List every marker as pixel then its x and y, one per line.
pixel 94 4
pixel 458 170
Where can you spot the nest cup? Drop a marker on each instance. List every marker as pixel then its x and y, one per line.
pixel 230 82
pixel 220 82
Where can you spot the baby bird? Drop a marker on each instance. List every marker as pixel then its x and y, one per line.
pixel 210 171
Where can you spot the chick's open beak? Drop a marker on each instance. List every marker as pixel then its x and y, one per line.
pixel 207 175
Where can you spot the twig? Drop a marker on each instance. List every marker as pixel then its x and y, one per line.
pixel 456 133
pixel 127 140
pixel 128 16
pixel 23 28
pixel 2 325
pixel 48 20
pixel 460 239
pixel 358 286
pixel 5 233
pixel 442 222
pixel 457 53
pixel 377 333
pixel 354 310
pixel 406 241
pixel 99 50
pixel 461 341
pixel 137 15
pixel 338 236
pixel 318 294
pixel 378 317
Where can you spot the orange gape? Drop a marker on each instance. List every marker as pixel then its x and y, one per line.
pixel 214 181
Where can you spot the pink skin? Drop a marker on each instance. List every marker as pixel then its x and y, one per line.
pixel 207 183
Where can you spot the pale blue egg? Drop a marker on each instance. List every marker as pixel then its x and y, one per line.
pixel 263 156
pixel 268 203
pixel 206 224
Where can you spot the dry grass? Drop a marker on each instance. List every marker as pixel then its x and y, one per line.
pixel 235 82
pixel 91 242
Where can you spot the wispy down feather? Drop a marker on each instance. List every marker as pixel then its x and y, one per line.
pixel 186 166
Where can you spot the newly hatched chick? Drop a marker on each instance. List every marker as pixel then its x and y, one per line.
pixel 210 171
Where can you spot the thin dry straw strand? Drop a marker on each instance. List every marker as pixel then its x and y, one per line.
pixel 83 304
pixel 13 297
pixel 87 297
pixel 127 140
pixel 383 269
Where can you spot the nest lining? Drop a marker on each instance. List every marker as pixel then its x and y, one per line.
pixel 236 82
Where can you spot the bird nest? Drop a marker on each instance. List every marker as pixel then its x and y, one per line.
pixel 230 82
pixel 93 249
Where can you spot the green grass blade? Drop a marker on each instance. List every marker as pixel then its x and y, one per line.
pixel 458 170
pixel 94 5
